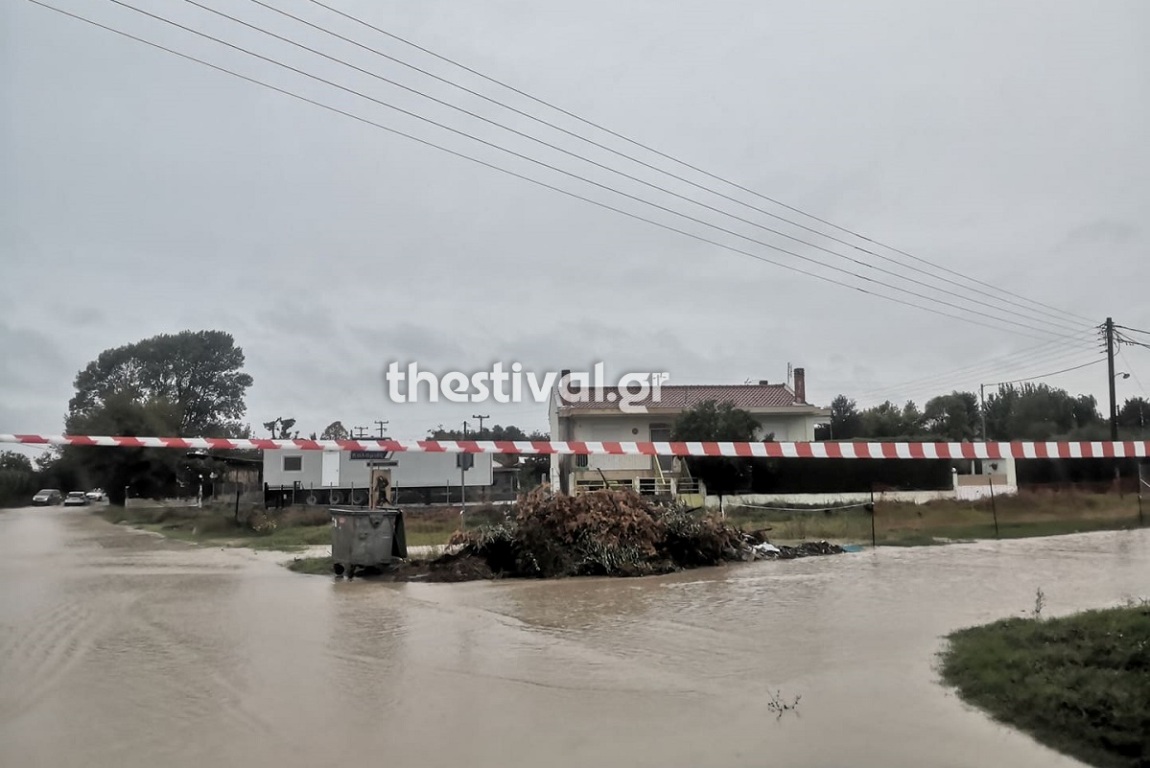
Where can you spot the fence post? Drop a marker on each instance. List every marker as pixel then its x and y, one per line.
pixel 1141 484
pixel 993 504
pixel 873 511
pixel 237 512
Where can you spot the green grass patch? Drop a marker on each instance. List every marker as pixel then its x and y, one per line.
pixel 1079 684
pixel 1027 514
pixel 316 566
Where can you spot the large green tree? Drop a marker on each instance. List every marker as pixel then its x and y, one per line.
pixel 148 472
pixel 198 373
pixel 17 479
pixel 1039 412
pixel 845 420
pixel 952 417
pixel 722 422
pixel 188 384
pixel 1135 416
pixel 888 420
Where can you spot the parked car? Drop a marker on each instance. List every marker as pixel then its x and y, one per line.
pixel 77 499
pixel 97 494
pixel 47 497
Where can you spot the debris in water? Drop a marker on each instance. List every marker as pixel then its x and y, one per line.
pixel 602 533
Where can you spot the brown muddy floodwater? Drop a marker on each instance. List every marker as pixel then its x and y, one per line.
pixel 119 648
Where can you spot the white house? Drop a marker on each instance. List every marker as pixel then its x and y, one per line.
pixel 595 415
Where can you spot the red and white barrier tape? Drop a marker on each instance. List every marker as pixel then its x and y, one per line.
pixel 824 450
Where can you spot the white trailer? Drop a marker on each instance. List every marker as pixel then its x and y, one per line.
pixel 343 477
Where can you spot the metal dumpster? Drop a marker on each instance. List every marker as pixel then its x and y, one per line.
pixel 366 538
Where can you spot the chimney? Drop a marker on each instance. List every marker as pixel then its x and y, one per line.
pixel 800 385
pixel 763 382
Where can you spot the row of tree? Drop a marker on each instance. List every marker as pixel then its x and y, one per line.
pixel 1029 412
pixel 192 384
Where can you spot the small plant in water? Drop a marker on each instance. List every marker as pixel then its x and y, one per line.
pixel 778 706
pixel 1039 602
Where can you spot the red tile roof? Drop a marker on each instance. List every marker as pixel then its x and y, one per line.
pixel 682 396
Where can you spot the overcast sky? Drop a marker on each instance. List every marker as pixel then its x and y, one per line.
pixel 142 194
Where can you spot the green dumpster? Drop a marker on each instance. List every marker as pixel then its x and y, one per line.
pixel 366 538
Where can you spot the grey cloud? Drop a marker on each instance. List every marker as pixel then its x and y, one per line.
pixel 1102 232
pixel 170 196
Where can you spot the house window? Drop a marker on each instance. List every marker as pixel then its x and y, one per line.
pixel 293 463
pixel 580 461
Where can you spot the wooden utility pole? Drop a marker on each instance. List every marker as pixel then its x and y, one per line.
pixel 1110 366
pixel 982 408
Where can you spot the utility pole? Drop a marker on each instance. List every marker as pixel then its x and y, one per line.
pixel 982 408
pixel 481 418
pixel 1110 365
pixel 465 429
pixel 381 425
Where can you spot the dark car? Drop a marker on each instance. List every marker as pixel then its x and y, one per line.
pixel 47 497
pixel 77 499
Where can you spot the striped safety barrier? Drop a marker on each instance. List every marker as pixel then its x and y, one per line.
pixel 772 450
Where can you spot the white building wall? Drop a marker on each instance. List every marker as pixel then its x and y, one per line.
pixel 331 469
pixel 626 428
pixel 310 472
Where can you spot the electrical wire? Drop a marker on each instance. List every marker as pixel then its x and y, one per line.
pixel 1121 339
pixel 1059 316
pixel 557 169
pixel 1132 330
pixel 1049 350
pixel 1047 375
pixel 1138 381
pixel 975 383
pixel 544 184
pixel 685 164
pixel 977 377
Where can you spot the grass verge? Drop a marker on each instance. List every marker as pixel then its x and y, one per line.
pixel 1079 684
pixel 288 530
pixel 1026 514
pixel 311 565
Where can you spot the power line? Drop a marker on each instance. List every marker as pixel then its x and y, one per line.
pixel 976 375
pixel 641 145
pixel 1122 339
pixel 574 195
pixel 557 169
pixel 1059 316
pixel 1046 375
pixel 1133 330
pixel 1047 351
pixel 974 380
pixel 1133 373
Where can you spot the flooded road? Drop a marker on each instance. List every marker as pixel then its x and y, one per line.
pixel 123 649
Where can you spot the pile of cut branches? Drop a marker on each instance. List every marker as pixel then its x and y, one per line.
pixel 603 533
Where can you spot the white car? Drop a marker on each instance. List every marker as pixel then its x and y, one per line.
pixel 96 494
pixel 76 499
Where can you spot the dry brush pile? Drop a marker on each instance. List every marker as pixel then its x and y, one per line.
pixel 605 533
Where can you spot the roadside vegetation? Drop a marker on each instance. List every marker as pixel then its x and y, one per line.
pixel 1079 684
pixel 1029 513
pixel 288 530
